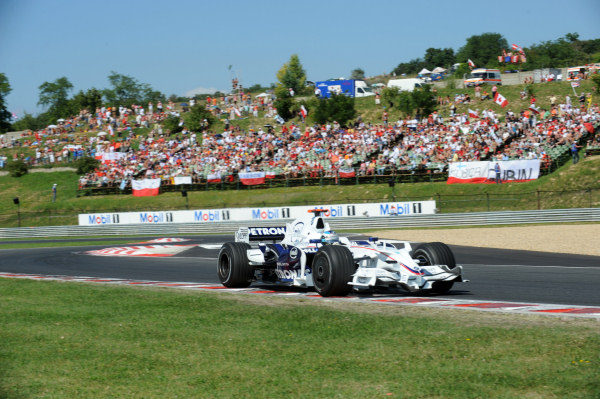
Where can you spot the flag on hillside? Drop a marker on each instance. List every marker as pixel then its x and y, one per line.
pixel 145 187
pixel 473 114
pixel 471 63
pixel 517 47
pixel 237 112
pixel 213 177
pixel 303 111
pixel 574 83
pixel 252 178
pixel 347 172
pixel 270 174
pixel 500 100
pixel 534 109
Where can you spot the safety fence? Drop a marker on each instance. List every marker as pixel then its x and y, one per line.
pixel 363 223
pixel 445 203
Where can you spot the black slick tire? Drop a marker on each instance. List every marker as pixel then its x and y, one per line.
pixel 233 268
pixel 332 270
pixel 436 253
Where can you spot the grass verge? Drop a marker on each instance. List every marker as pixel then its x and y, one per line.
pixel 77 340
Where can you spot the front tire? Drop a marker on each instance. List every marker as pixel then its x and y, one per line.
pixel 436 253
pixel 332 270
pixel 233 268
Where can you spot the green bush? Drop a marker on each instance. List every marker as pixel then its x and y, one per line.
pixel 86 165
pixel 17 168
pixel 339 108
pixel 171 125
pixel 194 120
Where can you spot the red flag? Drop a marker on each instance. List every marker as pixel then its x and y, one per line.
pixel 473 114
pixel 500 100
pixel 145 187
pixel 213 178
pixel 517 47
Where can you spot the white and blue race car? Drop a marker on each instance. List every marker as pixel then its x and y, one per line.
pixel 307 253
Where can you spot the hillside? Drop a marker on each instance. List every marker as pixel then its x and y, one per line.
pixel 571 186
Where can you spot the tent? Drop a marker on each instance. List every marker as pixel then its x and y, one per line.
pixel 263 95
pixel 438 70
pixel 424 71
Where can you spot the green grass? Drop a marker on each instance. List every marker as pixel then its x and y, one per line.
pixel 75 340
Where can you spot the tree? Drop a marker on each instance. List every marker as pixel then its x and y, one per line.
pixel 90 100
pixel 572 37
pixel 5 115
pixel 17 168
pixel 357 73
pixel 127 91
pixel 55 95
pixel 195 119
pixel 482 49
pixel 339 108
pixel 292 75
pixel 437 57
pixel 412 66
pixel 30 122
pixel 424 99
pixel 86 165
pixel 283 103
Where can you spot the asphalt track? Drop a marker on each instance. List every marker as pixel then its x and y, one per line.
pixel 494 274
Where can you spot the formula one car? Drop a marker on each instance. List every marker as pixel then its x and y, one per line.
pixel 307 253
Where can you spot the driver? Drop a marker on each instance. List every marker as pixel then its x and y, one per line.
pixel 330 237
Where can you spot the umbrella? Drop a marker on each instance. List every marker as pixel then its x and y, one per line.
pixel 263 95
pixel 102 134
pixel 52 126
pixel 60 120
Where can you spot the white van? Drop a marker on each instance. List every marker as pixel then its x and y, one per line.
pixel 406 84
pixel 480 76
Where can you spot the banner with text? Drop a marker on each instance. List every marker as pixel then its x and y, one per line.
pixel 489 171
pixel 393 209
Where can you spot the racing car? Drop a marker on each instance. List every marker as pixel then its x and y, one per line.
pixel 307 253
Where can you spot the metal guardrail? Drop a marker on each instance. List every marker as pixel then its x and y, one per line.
pixel 355 223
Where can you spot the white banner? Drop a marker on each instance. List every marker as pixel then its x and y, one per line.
pixel 392 209
pixel 489 171
pixel 182 180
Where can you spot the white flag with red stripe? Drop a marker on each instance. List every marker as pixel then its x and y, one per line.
pixel 534 109
pixel 473 114
pixel 145 187
pixel 517 47
pixel 303 111
pixel 471 63
pixel 500 100
pixel 252 178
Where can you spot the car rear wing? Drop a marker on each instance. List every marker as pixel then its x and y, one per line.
pixel 247 234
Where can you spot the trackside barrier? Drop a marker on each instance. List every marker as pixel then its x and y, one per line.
pixel 362 223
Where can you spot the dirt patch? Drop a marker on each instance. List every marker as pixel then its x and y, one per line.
pixel 567 238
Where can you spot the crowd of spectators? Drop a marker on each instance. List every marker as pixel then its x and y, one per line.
pixel 292 150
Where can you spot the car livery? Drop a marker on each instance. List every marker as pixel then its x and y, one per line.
pixel 307 253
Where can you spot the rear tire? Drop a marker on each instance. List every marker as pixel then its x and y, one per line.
pixel 233 269
pixel 332 270
pixel 436 253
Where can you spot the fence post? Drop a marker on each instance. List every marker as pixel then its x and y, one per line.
pixel 487 197
pixel 439 202
pixel 589 190
pixel 538 199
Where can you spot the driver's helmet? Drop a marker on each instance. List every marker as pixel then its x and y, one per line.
pixel 330 237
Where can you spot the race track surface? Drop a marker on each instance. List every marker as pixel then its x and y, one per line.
pixel 494 274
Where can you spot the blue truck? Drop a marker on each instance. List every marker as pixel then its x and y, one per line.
pixel 348 87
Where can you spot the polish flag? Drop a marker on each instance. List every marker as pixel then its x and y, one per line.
pixel 237 112
pixel 347 172
pixel 517 47
pixel 471 63
pixel 473 114
pixel 252 178
pixel 145 187
pixel 270 175
pixel 534 109
pixel 500 100
pixel 303 111
pixel 213 178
